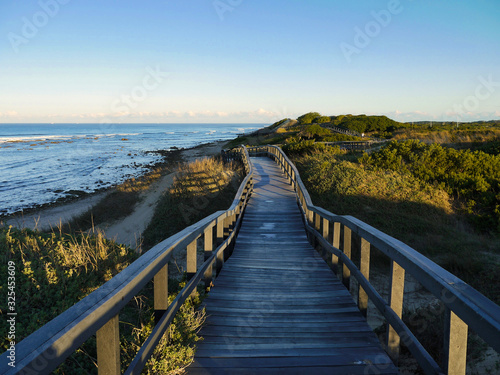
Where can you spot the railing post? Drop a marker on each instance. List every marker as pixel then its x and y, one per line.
pixel 161 293
pixel 310 217
pixel 336 244
pixel 108 348
pixel 209 246
pixel 227 231
pixel 365 270
pixel 396 294
pixel 455 344
pixel 220 231
pixel 191 259
pixel 227 227
pixel 346 273
pixel 220 240
pixel 326 234
pixel 232 224
pixel 317 226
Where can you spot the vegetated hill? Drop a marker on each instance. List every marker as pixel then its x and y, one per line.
pixel 357 123
pixel 364 123
pixel 456 124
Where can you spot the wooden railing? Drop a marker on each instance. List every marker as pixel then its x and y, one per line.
pixel 464 306
pixel 353 133
pixel 352 145
pixel 97 314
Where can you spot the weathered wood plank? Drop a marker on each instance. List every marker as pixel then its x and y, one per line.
pixel 285 370
pixel 359 353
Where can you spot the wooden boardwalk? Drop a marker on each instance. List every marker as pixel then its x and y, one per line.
pixel 276 307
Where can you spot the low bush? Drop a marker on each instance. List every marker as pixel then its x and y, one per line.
pixel 297 145
pixel 54 271
pixel 473 177
pixel 414 211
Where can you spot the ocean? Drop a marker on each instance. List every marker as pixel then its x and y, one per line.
pixel 41 163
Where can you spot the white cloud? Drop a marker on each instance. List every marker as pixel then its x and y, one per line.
pixel 445 116
pixel 8 114
pixel 261 115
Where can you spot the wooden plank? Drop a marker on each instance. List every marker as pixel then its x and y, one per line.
pixel 312 295
pixel 296 320
pixel 302 352
pixel 276 304
pixel 252 332
pixel 277 316
pixel 288 344
pixel 338 370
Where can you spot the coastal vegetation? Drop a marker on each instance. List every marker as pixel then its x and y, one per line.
pixel 436 189
pixel 471 177
pixel 439 194
pixel 201 188
pixel 424 215
pixel 442 199
pixel 55 270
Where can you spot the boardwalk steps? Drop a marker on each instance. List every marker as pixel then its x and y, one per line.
pixel 276 306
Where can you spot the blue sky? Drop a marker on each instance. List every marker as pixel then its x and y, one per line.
pixel 247 61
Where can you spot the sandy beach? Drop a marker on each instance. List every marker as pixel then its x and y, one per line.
pixel 127 230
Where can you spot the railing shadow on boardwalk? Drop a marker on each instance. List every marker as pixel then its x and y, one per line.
pixel 97 314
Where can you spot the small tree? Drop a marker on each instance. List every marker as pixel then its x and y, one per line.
pixel 308 118
pixel 314 131
pixel 322 119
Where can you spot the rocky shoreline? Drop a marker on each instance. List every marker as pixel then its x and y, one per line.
pixel 45 216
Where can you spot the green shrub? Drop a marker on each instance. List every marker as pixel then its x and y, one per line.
pixel 298 145
pixel 492 148
pixel 322 119
pixel 472 177
pixel 314 131
pixel 54 271
pixel 363 123
pixel 308 118
pixel 416 212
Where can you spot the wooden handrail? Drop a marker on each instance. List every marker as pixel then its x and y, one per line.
pixel 464 305
pixel 44 350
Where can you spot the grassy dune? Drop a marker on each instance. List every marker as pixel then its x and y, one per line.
pixel 55 270
pixel 202 188
pixel 417 212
